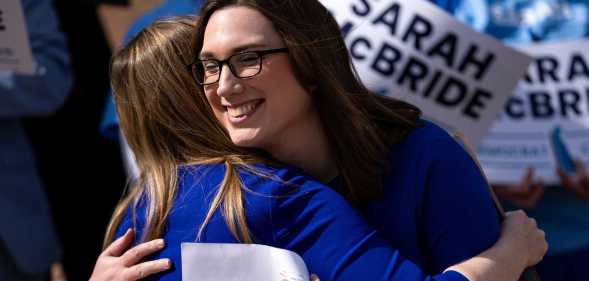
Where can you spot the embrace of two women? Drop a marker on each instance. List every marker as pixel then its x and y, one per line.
pixel 250 125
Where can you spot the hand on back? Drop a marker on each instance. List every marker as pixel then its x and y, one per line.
pixel 119 263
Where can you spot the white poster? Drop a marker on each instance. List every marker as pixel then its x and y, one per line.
pixel 415 51
pixel 546 122
pixel 15 51
pixel 240 262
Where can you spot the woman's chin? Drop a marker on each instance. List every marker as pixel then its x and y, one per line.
pixel 245 142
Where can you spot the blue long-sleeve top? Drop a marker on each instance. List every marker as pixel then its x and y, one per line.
pixel 436 211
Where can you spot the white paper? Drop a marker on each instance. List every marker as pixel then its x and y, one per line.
pixel 367 37
pixel 240 262
pixel 15 50
pixel 521 139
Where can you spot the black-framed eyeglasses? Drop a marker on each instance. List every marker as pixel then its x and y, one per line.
pixel 243 65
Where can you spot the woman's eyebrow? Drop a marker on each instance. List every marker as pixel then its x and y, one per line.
pixel 238 49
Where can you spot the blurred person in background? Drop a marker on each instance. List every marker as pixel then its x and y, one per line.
pixel 28 241
pixel 562 211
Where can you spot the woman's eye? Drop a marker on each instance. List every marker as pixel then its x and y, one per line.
pixel 248 60
pixel 211 67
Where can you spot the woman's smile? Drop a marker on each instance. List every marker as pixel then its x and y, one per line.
pixel 241 112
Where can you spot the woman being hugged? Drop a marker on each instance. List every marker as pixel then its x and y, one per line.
pixel 271 88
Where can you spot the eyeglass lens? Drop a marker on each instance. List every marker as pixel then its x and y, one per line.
pixel 242 65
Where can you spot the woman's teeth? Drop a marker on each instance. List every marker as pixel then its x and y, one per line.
pixel 243 109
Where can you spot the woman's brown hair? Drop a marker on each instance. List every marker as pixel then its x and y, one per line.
pixel 168 123
pixel 361 126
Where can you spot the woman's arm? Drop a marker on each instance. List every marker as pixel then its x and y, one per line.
pixel 459 216
pixel 521 245
pixel 337 244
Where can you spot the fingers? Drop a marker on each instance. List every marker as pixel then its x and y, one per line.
pixel 517 215
pixel 583 179
pixel 569 183
pixel 531 200
pixel 565 179
pixel 580 169
pixel 147 268
pixel 118 247
pixel 528 181
pixel 529 237
pixel 527 200
pixel 523 188
pixel 137 253
pixel 314 277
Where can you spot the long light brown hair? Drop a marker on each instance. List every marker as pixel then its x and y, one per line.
pixel 360 126
pixel 168 123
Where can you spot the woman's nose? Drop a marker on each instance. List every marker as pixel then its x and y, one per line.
pixel 228 83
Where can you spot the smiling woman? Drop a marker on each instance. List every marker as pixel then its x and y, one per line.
pixel 271 111
pixel 195 135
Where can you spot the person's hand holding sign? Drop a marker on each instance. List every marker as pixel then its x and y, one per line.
pixel 577 183
pixel 525 195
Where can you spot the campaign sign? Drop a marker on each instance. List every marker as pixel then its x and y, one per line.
pixel 545 123
pixel 15 51
pixel 415 51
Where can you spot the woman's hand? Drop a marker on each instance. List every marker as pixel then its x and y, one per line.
pixel 521 245
pixel 521 234
pixel 117 263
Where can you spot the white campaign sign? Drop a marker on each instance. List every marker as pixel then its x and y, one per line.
pixel 415 51
pixel 240 262
pixel 15 51
pixel 548 116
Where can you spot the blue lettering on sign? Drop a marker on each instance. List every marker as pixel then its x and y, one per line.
pixel 518 151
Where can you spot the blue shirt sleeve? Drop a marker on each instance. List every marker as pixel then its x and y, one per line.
pixel 460 219
pixel 333 238
pixel 436 207
pixel 43 92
